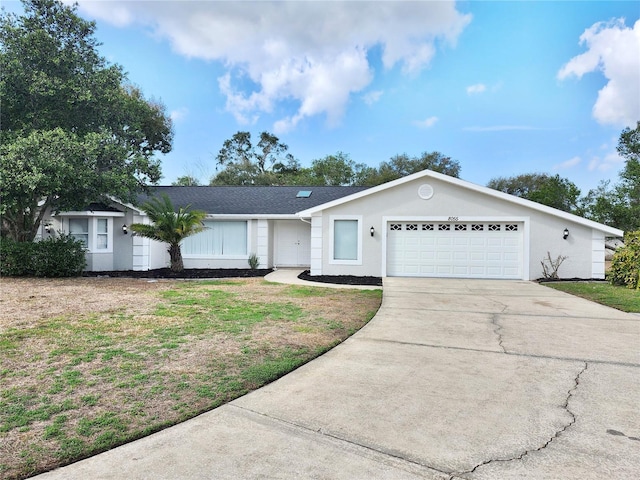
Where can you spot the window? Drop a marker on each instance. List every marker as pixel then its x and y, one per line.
pixel 220 238
pixel 345 240
pixel 395 227
pixel 477 227
pixel 79 229
pixel 427 226
pixel 494 227
pixel 102 234
pixel 444 227
pixel 512 227
pixel 460 227
pixel 95 232
pixel 412 227
pixel 304 194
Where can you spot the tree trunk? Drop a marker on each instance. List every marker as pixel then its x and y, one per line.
pixel 176 258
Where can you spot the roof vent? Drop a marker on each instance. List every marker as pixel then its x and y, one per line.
pixel 304 194
pixel 425 191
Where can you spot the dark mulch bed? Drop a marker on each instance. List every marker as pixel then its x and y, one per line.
pixel 545 280
pixel 341 279
pixel 186 273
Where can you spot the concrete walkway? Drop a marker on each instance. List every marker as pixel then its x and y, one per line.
pixel 290 276
pixel 452 379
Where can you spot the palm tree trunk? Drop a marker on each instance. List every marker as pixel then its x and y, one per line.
pixel 176 258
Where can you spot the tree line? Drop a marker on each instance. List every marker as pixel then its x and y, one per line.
pixel 268 162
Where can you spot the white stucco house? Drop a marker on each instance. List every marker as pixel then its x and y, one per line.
pixel 426 224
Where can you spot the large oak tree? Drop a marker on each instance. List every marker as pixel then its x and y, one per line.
pixel 73 129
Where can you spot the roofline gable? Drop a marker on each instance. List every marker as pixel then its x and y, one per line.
pixel 470 186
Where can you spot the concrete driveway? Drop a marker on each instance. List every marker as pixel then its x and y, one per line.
pixel 453 379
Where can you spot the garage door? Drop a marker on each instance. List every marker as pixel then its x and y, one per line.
pixel 465 249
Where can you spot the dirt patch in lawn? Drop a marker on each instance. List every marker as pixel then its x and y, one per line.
pixel 90 363
pixel 23 301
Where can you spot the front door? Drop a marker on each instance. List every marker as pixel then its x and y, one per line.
pixel 293 243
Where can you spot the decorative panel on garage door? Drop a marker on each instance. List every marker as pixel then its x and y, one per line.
pixel 464 249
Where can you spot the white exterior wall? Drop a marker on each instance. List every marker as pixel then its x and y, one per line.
pixel 123 245
pixel 544 231
pixel 316 245
pixel 597 254
pixel 262 243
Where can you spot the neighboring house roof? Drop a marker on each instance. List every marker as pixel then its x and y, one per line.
pixel 470 186
pixel 251 200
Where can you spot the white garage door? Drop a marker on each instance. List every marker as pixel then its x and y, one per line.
pixel 465 249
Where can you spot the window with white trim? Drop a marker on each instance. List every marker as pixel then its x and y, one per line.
pixel 102 234
pixel 226 238
pixel 346 240
pixel 79 229
pixel 94 232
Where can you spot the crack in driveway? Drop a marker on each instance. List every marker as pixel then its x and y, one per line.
pixel 498 330
pixel 557 434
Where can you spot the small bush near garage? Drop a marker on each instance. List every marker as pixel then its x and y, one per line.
pixel 63 256
pixel 625 265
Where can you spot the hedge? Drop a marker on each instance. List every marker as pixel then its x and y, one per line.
pixel 62 256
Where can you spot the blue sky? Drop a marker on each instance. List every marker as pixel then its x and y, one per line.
pixel 504 87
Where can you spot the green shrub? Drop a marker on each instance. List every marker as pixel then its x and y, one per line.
pixel 625 265
pixel 62 256
pixel 15 257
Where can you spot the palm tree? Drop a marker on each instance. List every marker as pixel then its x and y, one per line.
pixel 170 226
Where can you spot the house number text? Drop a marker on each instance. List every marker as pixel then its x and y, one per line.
pixel 453 219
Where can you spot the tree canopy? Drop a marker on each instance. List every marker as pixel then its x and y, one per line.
pixel 402 165
pixel 73 129
pixel 553 191
pixel 244 163
pixel 619 205
pixel 270 163
pixel 186 181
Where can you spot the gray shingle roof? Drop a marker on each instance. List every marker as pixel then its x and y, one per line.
pixel 256 200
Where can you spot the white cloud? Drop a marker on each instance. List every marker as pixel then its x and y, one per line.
pixel 314 53
pixel 607 162
pixel 477 88
pixel 372 97
pixel 614 50
pixel 572 162
pixel 179 114
pixel 427 123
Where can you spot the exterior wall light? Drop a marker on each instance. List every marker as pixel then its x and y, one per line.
pixel 372 231
pixel 565 234
pixel 125 230
pixel 47 227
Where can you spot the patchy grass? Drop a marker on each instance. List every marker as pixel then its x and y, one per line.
pixel 619 297
pixel 88 364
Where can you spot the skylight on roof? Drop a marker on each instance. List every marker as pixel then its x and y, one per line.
pixel 304 194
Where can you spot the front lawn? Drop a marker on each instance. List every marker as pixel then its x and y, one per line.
pixel 619 297
pixel 87 364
